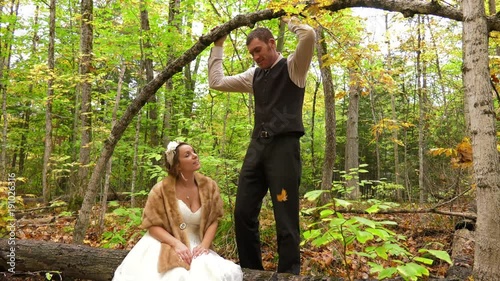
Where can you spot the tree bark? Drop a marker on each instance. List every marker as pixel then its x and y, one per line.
pixel 147 66
pixel 6 50
pixel 422 123
pixel 48 106
pixel 395 136
pixel 85 116
pixel 486 166
pixel 330 120
pixel 104 193
pixel 352 138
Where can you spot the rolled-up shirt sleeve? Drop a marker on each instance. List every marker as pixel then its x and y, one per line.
pixel 300 60
pixel 218 81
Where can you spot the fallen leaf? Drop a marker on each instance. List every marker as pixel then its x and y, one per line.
pixel 283 196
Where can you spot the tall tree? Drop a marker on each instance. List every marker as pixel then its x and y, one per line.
pixel 5 59
pixel 352 138
pixel 173 12
pixel 109 166
pixel 330 120
pixel 85 87
pixel 422 101
pixel 478 93
pixel 48 106
pixel 85 71
pixel 395 136
pixel 147 66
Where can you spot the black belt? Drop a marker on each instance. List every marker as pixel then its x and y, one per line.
pixel 264 135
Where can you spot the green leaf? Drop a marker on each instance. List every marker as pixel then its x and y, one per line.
pixel 363 236
pixel 378 232
pixel 326 213
pixel 365 221
pixel 342 203
pixel 311 234
pixel 442 255
pixel 381 252
pixel 412 270
pixel 387 273
pixel 372 209
pixel 423 260
pixel 113 204
pixel 314 194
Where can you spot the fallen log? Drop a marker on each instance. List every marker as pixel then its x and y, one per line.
pixel 71 260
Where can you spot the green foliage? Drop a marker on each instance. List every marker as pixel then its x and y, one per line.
pixel 362 236
pixel 49 275
pixel 126 219
pixel 9 202
pixel 386 190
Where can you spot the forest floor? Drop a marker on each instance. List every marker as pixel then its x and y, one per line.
pixel 420 230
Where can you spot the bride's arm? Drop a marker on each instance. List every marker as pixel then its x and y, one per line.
pixel 160 234
pixel 208 237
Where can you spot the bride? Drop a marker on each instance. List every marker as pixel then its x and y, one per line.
pixel 181 215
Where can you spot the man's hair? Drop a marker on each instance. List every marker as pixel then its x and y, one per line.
pixel 261 33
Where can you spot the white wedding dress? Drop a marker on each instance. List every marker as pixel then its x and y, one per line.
pixel 141 262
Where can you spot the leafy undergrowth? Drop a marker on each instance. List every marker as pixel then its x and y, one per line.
pixel 421 230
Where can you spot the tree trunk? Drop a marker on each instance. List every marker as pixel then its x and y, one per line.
pixel 395 136
pixel 313 116
pixel 48 106
pixel 74 261
pixel 421 90
pixel 104 194
pixel 26 113
pixel 173 11
pixel 135 167
pixel 85 114
pixel 377 135
pixel 486 166
pixel 86 48
pixel 147 65
pixel 330 121
pixel 352 139
pixel 6 50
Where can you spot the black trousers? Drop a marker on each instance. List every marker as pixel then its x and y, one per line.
pixel 270 164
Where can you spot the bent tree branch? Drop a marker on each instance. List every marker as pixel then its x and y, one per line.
pixel 406 7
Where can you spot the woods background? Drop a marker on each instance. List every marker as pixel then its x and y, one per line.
pixel 84 82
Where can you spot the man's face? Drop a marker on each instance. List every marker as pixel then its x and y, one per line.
pixel 264 54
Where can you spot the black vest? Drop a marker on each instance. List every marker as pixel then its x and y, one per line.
pixel 278 102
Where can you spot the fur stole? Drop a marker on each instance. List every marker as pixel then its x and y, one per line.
pixel 162 209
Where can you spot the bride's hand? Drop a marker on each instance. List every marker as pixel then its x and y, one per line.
pixel 199 250
pixel 183 252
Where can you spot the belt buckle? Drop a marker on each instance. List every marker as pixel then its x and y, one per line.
pixel 264 134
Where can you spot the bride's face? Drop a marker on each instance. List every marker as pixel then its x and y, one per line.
pixel 188 159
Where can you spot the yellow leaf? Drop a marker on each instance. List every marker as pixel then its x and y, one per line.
pixel 283 196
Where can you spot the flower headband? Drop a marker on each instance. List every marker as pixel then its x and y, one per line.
pixel 170 153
